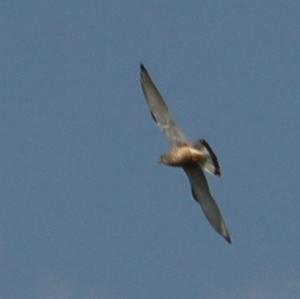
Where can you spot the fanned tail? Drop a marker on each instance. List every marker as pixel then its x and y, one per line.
pixel 211 164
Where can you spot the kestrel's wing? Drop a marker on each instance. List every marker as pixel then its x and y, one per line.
pixel 159 110
pixel 201 193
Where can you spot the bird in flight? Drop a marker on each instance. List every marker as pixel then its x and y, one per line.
pixel 194 158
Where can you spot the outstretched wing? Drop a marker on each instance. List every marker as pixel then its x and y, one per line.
pixel 159 109
pixel 201 193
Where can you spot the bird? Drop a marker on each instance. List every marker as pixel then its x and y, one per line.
pixel 194 158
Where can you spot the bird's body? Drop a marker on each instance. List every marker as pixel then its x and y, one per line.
pixel 184 155
pixel 193 158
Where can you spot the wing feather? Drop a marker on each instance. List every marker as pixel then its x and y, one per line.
pixel 159 110
pixel 202 195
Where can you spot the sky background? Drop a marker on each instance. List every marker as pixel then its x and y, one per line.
pixel 85 209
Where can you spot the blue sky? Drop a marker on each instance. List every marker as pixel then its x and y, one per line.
pixel 86 211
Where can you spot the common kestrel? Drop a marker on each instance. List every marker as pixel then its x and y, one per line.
pixel 192 157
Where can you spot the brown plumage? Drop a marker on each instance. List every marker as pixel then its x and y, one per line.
pixel 184 155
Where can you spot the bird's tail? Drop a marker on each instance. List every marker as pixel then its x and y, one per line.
pixel 211 163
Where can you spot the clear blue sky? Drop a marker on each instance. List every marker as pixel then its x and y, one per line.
pixel 85 209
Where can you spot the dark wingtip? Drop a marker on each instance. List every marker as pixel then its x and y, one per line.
pixel 228 239
pixel 143 69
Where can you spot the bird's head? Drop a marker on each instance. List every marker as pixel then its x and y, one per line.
pixel 163 159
